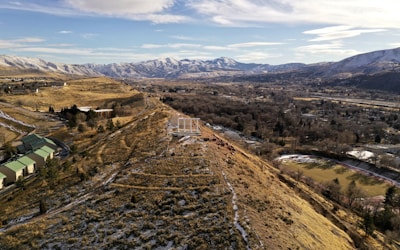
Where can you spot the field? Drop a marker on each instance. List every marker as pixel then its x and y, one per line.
pixel 32 109
pixel 324 171
pixel 95 92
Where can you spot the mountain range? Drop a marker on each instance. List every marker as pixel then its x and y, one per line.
pixel 362 64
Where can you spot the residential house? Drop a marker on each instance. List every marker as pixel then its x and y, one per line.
pixel 2 180
pixel 29 164
pixel 13 171
pixel 49 150
pixel 33 142
pixel 39 156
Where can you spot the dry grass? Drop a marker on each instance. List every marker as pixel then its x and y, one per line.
pixel 276 215
pixel 95 92
pixel 323 173
pixel 146 189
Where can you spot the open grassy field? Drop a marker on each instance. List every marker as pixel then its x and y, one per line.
pixel 325 171
pixel 95 92
pixel 32 108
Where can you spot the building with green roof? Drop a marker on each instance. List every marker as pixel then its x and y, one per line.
pixel 33 142
pixel 49 150
pixel 13 171
pixel 2 180
pixel 39 156
pixel 29 163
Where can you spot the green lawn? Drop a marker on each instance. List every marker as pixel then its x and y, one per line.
pixel 326 171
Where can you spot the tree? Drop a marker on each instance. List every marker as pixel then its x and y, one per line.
pixel 51 109
pixel 9 150
pixel 118 124
pixel 110 124
pixel 332 190
pixel 81 128
pixel 80 117
pixel 378 139
pixel 390 196
pixel 92 123
pixel 353 192
pixel 100 129
pixel 42 207
pixel 20 183
pixel 368 224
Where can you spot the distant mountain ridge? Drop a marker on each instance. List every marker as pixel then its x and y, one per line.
pixel 172 68
pixel 363 64
pixel 367 63
pixel 42 65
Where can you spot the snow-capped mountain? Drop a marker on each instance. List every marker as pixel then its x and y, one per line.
pixel 368 63
pixel 28 63
pixel 172 68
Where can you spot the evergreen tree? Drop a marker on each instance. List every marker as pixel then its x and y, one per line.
pixel 390 196
pixel 110 124
pixel 100 129
pixel 42 207
pixel 368 224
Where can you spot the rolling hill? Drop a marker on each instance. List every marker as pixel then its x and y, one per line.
pixel 139 186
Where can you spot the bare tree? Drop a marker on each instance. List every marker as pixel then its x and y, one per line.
pixel 353 192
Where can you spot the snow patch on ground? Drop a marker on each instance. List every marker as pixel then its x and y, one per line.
pixel 361 154
pixel 298 158
pixel 242 231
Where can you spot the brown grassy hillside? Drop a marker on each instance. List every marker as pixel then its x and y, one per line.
pixel 139 187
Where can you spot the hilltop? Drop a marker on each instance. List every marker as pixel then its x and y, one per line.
pixel 139 186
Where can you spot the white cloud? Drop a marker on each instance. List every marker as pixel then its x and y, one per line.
pixel 29 40
pixel 160 18
pixel 338 32
pixel 358 13
pixel 87 52
pixel 20 42
pixel 121 7
pixel 184 38
pixel 172 46
pixel 214 47
pixel 256 56
pixel 61 45
pixel 253 44
pixel 89 35
pixel 156 11
pixel 51 8
pixel 71 51
pixel 64 32
pixel 333 48
pixel 4 44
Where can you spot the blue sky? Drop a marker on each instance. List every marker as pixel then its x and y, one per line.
pixel 259 31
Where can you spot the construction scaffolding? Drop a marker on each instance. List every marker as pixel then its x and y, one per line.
pixel 188 126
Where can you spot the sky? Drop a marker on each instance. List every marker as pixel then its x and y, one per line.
pixel 249 31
